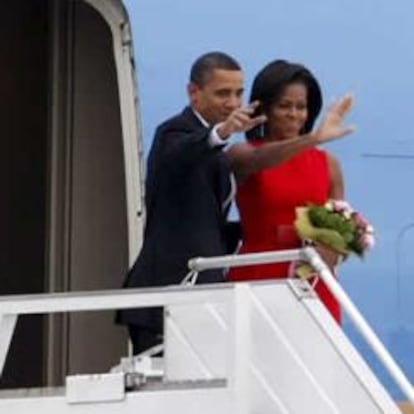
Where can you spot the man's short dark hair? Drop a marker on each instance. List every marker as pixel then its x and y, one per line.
pixel 203 67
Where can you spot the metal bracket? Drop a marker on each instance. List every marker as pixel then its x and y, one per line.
pixel 301 288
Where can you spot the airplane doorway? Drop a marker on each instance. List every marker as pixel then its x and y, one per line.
pixel 64 216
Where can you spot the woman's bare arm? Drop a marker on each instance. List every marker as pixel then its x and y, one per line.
pixel 247 159
pixel 336 189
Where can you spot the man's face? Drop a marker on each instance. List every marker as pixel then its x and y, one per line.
pixel 219 96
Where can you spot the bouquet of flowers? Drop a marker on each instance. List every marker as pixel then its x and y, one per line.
pixel 335 227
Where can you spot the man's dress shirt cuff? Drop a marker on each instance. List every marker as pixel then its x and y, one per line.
pixel 214 138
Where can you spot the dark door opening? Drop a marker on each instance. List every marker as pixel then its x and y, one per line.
pixel 24 132
pixel 63 211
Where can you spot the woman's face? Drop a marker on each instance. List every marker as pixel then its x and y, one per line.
pixel 288 114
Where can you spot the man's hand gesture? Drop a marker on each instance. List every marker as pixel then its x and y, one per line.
pixel 240 120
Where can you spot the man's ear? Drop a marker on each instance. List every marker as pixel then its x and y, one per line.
pixel 192 90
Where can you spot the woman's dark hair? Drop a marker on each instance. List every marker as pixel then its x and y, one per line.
pixel 269 84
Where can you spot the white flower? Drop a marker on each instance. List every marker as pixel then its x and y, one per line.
pixel 368 241
pixel 369 229
pixel 329 206
pixel 342 205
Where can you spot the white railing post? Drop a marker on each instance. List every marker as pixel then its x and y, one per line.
pixel 240 350
pixel 7 324
pixel 310 255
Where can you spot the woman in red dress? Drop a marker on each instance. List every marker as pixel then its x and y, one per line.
pixel 280 167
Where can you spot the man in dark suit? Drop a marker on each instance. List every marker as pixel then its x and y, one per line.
pixel 188 188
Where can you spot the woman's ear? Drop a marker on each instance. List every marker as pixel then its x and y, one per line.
pixel 261 129
pixel 259 110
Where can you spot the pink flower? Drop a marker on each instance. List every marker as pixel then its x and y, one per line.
pixel 367 241
pixel 342 205
pixel 360 220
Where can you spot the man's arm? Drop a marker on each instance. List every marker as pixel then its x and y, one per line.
pixel 183 146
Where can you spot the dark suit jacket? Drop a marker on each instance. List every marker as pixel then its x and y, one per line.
pixel 187 184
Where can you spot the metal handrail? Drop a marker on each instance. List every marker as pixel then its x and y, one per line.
pixel 13 305
pixel 310 255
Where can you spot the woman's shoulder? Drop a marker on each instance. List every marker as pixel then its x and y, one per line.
pixel 319 153
pixel 325 155
pixel 326 159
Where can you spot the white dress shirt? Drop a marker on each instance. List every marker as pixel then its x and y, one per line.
pixel 215 141
pixel 214 138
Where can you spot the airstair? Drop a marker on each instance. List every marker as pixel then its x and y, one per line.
pixel 264 347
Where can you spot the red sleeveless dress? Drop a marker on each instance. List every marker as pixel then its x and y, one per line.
pixel 266 202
